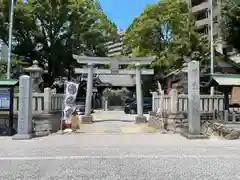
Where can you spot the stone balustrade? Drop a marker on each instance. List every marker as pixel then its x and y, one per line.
pixel 43 102
pixel 46 112
pixel 208 103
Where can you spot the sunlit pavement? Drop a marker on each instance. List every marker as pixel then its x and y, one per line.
pixel 114 115
pixel 125 156
pixel 115 122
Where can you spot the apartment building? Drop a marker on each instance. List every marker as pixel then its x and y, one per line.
pixel 115 48
pixel 201 11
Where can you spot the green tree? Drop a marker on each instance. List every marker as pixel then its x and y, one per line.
pixel 50 31
pixel 167 31
pixel 230 23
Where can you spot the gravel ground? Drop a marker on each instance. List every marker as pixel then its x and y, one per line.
pixel 119 157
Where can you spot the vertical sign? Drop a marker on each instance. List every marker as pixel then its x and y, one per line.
pixel 5 99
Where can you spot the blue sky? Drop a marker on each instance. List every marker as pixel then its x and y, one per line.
pixel 122 12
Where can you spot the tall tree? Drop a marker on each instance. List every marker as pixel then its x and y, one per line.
pixel 50 31
pixel 167 31
pixel 230 23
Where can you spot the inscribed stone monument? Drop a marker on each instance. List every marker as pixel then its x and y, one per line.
pixel 25 125
pixel 193 98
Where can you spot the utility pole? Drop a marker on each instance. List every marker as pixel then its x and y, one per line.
pixel 0 51
pixel 10 39
pixel 189 17
pixel 211 42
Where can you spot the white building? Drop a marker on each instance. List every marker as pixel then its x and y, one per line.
pixel 115 48
pixel 201 11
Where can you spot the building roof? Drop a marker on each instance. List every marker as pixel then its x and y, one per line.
pixel 8 83
pixel 226 79
pixel 218 63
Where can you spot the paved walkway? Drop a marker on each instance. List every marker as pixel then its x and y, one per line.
pixel 119 157
pixel 113 116
pixel 114 122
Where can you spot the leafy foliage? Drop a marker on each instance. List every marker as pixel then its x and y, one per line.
pixel 3 71
pixel 111 93
pixel 167 31
pixel 50 31
pixel 230 22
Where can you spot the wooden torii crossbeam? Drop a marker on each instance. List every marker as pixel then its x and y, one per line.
pixel 114 70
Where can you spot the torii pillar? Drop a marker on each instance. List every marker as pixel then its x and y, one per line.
pixel 87 118
pixel 114 62
pixel 140 118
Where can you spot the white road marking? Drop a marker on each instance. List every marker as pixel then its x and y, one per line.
pixel 29 158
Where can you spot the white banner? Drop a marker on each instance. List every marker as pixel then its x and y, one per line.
pixel 71 90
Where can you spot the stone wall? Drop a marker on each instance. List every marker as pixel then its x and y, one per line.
pixel 178 122
pixel 43 124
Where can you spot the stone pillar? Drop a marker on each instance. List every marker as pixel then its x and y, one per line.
pixel 25 125
pixel 194 98
pixel 154 101
pixel 226 105
pixel 173 101
pixel 87 118
pixel 140 118
pixel 47 100
pixel 171 122
pixel 194 109
pixel 106 105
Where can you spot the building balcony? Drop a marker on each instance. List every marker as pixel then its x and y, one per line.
pixel 200 7
pixel 202 22
pixel 115 50
pixel 114 54
pixel 112 46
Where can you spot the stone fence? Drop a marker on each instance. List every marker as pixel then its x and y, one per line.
pixel 46 110
pixel 45 102
pixel 207 103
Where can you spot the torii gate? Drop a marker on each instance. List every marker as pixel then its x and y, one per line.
pixel 114 70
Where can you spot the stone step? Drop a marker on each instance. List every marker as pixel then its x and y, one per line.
pixel 40 122
pixel 43 127
pixel 42 133
pixel 178 125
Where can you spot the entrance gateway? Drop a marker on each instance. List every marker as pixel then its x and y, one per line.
pixel 114 70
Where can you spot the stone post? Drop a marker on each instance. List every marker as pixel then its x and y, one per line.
pixel 194 102
pixel 140 118
pixel 25 125
pixel 171 122
pixel 173 101
pixel 154 95
pixel 194 98
pixel 47 100
pixel 87 118
pixel 106 105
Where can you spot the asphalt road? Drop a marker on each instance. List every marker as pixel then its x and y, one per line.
pixel 119 157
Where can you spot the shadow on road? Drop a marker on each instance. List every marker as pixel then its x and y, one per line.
pixel 112 120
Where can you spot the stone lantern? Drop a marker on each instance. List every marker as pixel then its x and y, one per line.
pixel 36 74
pixel 46 68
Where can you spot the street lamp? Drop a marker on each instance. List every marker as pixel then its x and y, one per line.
pixel 10 40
